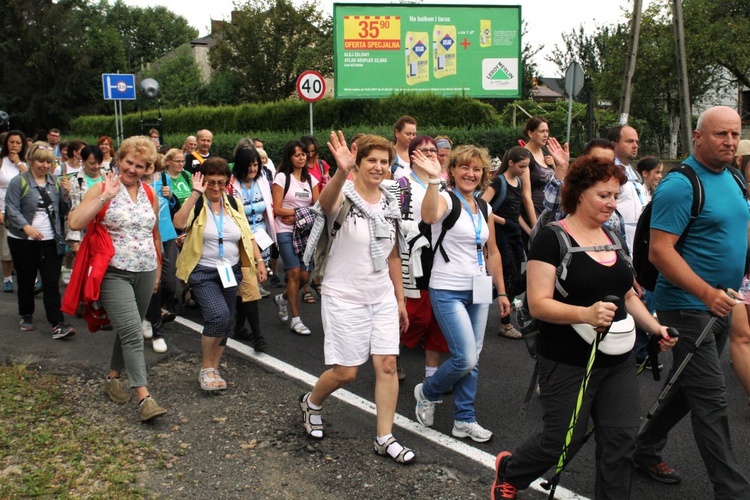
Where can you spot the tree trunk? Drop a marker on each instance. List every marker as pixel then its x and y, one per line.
pixel 674 133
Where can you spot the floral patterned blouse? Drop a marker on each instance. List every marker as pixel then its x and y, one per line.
pixel 130 226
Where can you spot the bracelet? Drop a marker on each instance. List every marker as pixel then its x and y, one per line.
pixel 101 198
pixel 197 191
pixel 434 181
pixel 502 294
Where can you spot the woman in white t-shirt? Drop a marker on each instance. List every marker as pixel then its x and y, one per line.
pixel 12 153
pixel 293 189
pixel 460 288
pixel 361 322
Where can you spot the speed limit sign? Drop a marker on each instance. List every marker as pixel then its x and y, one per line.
pixel 311 86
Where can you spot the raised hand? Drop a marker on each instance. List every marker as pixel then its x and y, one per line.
pixel 111 185
pixel 430 165
pixel 198 182
pixel 345 159
pixel 561 154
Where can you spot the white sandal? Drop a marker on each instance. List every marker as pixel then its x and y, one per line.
pixel 382 449
pixel 209 383
pixel 300 329
pixel 307 413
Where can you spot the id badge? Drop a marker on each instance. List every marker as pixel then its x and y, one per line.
pixel 482 287
pixel 227 276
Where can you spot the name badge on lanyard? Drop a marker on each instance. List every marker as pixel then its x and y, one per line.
pixel 481 283
pixel 226 274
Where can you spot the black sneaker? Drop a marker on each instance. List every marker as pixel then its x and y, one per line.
pixel 660 472
pixel 26 324
pixel 61 331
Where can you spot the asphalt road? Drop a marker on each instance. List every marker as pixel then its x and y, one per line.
pixel 505 372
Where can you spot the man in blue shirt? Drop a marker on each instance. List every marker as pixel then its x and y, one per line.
pixel 688 295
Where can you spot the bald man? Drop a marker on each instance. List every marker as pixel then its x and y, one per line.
pixel 194 160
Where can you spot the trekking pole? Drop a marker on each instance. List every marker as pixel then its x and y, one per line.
pixel 564 460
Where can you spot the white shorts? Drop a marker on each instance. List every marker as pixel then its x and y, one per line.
pixel 354 332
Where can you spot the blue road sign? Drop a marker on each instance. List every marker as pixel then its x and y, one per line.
pixel 117 86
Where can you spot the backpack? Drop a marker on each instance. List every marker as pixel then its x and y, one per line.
pixel 499 198
pixel 645 271
pixel 325 241
pixel 425 230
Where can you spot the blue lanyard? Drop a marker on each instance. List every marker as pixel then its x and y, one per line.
pixel 637 187
pixel 220 227
pixel 477 226
pixel 419 181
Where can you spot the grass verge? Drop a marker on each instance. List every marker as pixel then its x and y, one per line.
pixel 48 449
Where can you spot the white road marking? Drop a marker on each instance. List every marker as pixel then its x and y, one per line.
pixel 481 457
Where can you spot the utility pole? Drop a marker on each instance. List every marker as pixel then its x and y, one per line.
pixel 627 81
pixel 686 114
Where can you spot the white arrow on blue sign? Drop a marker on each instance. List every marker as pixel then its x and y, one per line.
pixel 118 87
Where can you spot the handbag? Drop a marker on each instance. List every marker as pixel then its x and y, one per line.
pixel 619 340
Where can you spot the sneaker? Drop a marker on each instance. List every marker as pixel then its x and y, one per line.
pixel 37 287
pixel 263 292
pixel 26 324
pixel 471 430
pixel 259 344
pixel 8 287
pixel 116 390
pixel 149 409
pixel 500 488
pixel 61 331
pixel 660 472
pixel 167 316
pixel 281 311
pixel 66 275
pixel 159 345
pixel 509 331
pixel 147 329
pixel 275 282
pixel 425 409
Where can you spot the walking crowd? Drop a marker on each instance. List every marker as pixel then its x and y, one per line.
pixel 410 242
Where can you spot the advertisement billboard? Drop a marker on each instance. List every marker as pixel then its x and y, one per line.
pixel 382 49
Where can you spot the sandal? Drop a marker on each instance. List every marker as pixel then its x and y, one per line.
pixel 317 287
pixel 308 298
pixel 300 329
pixel 307 413
pixel 382 449
pixel 211 383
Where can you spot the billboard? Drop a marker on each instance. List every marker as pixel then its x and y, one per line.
pixel 382 49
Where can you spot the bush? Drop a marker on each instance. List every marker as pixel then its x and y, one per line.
pixel 292 114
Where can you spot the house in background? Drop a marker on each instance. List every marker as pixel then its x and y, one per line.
pixel 546 89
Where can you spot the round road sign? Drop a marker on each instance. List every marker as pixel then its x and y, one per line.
pixel 311 86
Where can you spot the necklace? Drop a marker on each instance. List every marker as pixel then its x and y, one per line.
pixel 581 232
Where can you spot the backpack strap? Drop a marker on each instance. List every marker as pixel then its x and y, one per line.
pixel 448 223
pixel 483 207
pixel 739 180
pixel 338 221
pixel 499 198
pixel 187 177
pixel 287 183
pixel 404 187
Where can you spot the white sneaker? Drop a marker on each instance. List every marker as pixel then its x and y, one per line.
pixel 425 409
pixel 281 311
pixel 471 430
pixel 159 345
pixel 148 332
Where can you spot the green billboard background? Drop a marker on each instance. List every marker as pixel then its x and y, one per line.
pixel 382 49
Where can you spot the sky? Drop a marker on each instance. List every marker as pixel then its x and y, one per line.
pixel 546 19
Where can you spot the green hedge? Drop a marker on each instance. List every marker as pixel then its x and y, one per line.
pixel 292 114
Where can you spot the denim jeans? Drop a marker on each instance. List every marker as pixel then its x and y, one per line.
pixel 463 324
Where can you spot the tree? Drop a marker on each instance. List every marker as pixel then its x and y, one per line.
pixel 719 31
pixel 268 44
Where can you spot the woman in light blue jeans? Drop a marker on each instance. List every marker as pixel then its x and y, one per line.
pixel 460 286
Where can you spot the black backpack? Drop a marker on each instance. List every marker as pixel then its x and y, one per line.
pixel 645 271
pixel 428 253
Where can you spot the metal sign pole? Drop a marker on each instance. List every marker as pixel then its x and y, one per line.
pixel 122 125
pixel 117 125
pixel 311 118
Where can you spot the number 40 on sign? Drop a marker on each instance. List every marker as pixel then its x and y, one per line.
pixel 311 86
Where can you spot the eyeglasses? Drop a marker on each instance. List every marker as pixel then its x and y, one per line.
pixel 428 151
pixel 220 184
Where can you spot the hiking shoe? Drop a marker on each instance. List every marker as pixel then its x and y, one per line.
pixel 425 409
pixel 471 430
pixel 500 488
pixel 26 324
pixel 159 345
pixel 149 409
pixel 509 331
pixel 61 331
pixel 116 390
pixel 147 329
pixel 660 472
pixel 8 287
pixel 263 292
pixel 281 311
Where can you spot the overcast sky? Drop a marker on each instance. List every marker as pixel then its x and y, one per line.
pixel 547 19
